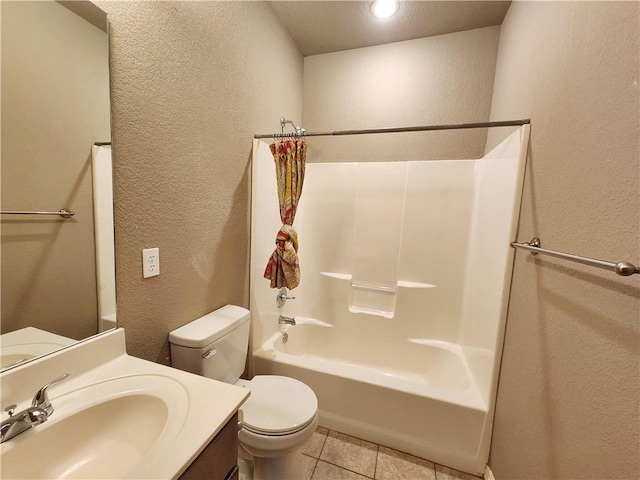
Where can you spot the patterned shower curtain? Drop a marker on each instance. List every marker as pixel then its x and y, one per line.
pixel 283 269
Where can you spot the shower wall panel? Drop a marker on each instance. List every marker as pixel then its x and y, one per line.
pixel 379 216
pixel 402 227
pixel 439 200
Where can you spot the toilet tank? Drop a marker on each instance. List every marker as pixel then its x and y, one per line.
pixel 214 346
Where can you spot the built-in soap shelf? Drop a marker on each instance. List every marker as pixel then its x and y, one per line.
pixel 400 283
pixel 372 298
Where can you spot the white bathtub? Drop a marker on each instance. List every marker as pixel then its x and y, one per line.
pixel 420 397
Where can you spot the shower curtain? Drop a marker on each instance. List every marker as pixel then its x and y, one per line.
pixel 283 269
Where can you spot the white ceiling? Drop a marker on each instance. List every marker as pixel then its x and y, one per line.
pixel 330 26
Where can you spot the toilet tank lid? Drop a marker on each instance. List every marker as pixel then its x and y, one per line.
pixel 210 327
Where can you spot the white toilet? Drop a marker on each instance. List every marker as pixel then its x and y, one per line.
pixel 281 413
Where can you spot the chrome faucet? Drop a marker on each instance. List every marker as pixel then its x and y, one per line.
pixel 282 320
pixel 37 413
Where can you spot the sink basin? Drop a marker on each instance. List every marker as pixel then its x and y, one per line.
pixel 111 429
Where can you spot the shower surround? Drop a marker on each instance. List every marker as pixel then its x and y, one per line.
pixel 400 312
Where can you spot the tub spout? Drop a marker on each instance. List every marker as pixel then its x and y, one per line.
pixel 282 320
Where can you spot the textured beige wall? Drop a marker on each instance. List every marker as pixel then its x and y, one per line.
pixel 191 83
pixel 568 396
pixel 55 104
pixel 433 80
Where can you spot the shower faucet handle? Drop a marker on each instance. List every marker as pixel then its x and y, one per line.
pixel 282 297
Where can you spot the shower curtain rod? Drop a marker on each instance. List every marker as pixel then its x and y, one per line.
pixel 423 128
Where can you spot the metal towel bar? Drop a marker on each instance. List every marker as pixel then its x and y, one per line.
pixel 63 212
pixel 624 269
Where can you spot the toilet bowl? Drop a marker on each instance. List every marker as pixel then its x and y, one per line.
pixel 280 416
pixel 281 413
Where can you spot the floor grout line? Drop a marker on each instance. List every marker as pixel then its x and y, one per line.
pixel 375 466
pixel 347 469
pixel 313 470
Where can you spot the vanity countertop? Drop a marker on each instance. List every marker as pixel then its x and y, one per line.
pixel 99 370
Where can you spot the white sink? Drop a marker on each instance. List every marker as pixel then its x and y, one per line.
pixel 105 430
pixel 115 416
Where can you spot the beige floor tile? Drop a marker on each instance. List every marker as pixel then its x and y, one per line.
pixel 394 465
pixel 351 453
pixel 446 473
pixel 326 471
pixel 313 447
pixel 308 465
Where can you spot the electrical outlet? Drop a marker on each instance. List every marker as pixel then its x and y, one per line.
pixel 150 262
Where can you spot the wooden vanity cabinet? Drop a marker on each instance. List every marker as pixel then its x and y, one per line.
pixel 219 459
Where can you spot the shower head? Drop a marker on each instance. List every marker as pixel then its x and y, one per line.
pixel 299 130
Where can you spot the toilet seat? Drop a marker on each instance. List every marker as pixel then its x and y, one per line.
pixel 278 406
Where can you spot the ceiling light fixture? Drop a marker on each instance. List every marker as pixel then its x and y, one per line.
pixel 384 8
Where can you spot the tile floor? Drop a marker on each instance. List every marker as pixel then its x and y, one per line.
pixel 331 455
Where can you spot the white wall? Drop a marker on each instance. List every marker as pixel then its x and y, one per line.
pixel 568 397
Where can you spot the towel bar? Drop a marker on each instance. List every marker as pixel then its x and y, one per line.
pixel 63 212
pixel 624 269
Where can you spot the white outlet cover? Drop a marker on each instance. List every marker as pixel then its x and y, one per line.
pixel 150 262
